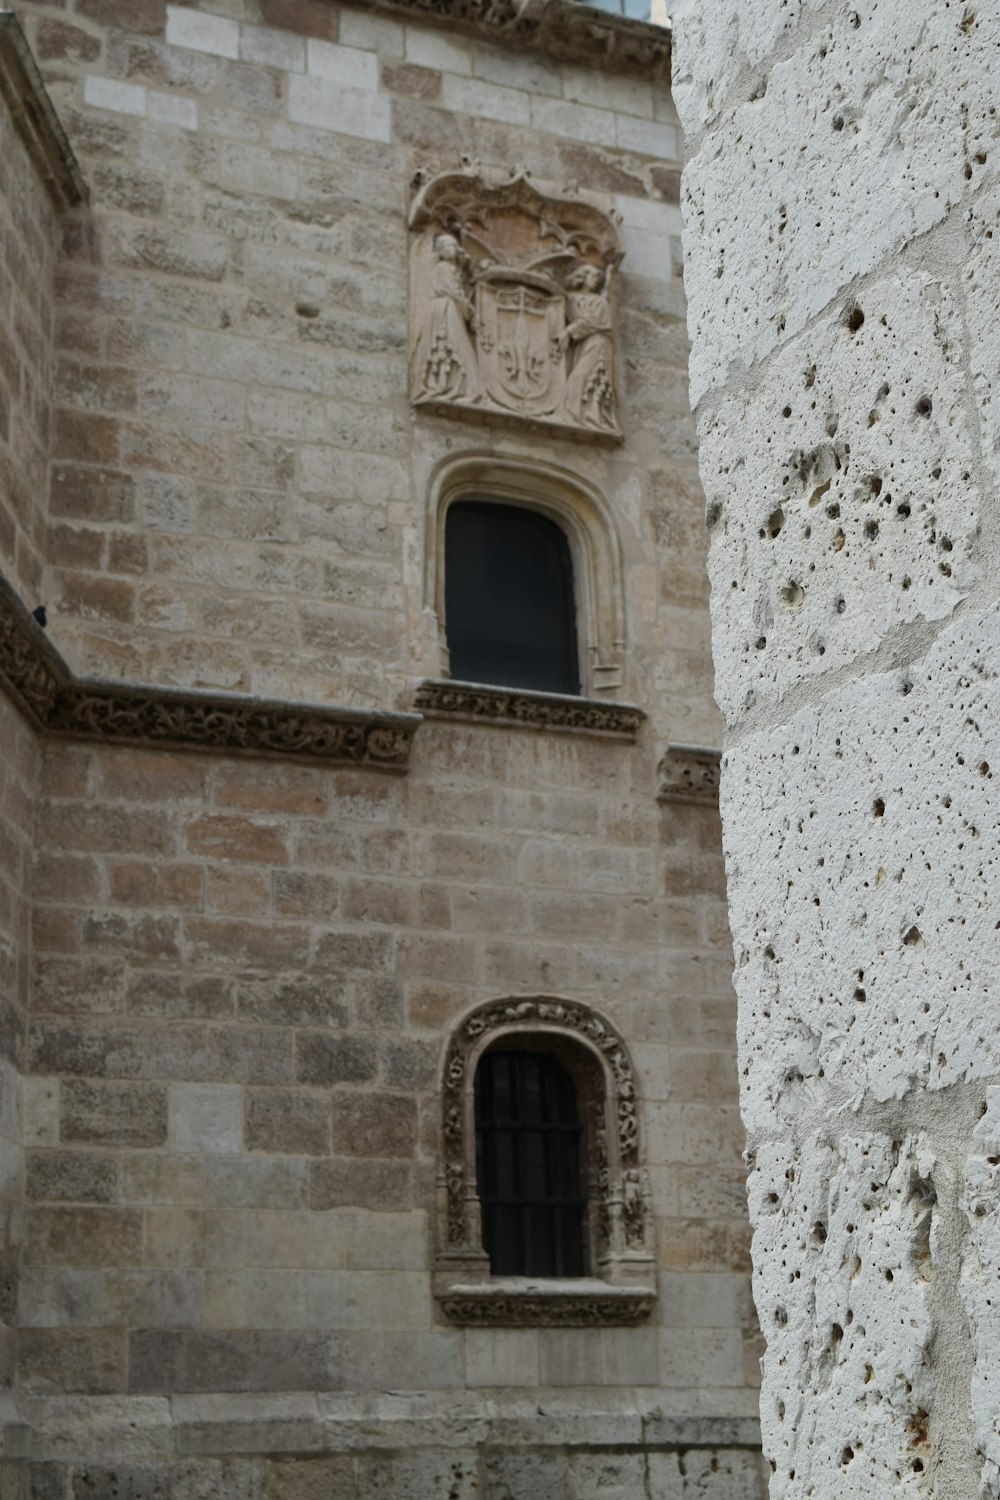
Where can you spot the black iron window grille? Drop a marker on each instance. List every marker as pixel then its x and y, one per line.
pixel 528 1169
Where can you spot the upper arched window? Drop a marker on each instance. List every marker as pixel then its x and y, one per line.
pixel 510 611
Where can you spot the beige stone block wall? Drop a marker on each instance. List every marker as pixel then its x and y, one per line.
pixel 245 975
pixel 239 487
pixel 18 786
pixel 29 238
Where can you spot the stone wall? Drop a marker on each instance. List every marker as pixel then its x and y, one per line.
pixel 18 787
pixel 840 212
pixel 239 485
pixel 243 977
pixel 246 970
pixel 28 233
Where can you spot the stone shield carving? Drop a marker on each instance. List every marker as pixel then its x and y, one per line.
pixel 512 302
pixel 520 322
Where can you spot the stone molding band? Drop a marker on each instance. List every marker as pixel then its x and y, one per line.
pixel 568 32
pixel 442 698
pixel 487 1306
pixel 56 702
pixel 35 120
pixel 689 773
pixel 142 1429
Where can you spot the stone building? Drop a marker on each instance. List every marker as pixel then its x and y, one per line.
pixel 368 1106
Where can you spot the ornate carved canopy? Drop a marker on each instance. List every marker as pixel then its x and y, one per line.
pixel 569 32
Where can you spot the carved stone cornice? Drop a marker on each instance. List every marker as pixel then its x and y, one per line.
pixel 34 118
pixel 442 698
pixel 689 773
pixel 56 702
pixel 574 1305
pixel 565 31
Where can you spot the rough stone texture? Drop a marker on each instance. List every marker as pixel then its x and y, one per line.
pixel 840 202
pixel 853 515
pixel 895 105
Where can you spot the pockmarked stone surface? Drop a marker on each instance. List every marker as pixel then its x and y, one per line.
pixel 839 491
pixel 843 1257
pixel 713 44
pixel 866 136
pixel 841 211
pixel 981 1205
pixel 861 842
pixel 981 281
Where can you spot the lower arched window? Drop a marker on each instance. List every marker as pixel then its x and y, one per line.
pixel 528 1168
pixel 544 1203
pixel 510 612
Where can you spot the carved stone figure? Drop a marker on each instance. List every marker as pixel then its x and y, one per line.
pixel 444 361
pixel 512 307
pixel 590 392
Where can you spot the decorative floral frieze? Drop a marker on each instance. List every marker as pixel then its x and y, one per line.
pixel 689 773
pixel 572 33
pixel 487 1306
pixel 442 698
pixel 41 684
pixel 512 302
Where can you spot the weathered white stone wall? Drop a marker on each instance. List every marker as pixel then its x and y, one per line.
pixel 841 198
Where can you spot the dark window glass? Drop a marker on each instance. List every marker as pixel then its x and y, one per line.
pixel 509 598
pixel 528 1165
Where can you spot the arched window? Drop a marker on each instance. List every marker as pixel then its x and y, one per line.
pixel 510 612
pixel 544 1203
pixel 528 1168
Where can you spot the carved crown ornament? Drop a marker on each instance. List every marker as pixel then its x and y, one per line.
pixel 619 1208
pixel 569 32
pixel 512 303
pixel 56 702
pixel 689 773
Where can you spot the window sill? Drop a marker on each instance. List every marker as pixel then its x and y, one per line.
pixel 524 1302
pixel 442 698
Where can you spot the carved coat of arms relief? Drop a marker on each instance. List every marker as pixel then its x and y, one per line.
pixel 512 302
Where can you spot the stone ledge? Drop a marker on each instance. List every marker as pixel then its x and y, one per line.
pixel 56 702
pixel 514 1302
pixel 34 118
pixel 158 1429
pixel 565 31
pixel 689 773
pixel 444 699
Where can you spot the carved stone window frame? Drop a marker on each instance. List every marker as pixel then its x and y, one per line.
pixel 581 512
pixel 621 1287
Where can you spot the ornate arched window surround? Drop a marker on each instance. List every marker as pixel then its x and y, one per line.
pixel 581 511
pixel 621 1286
